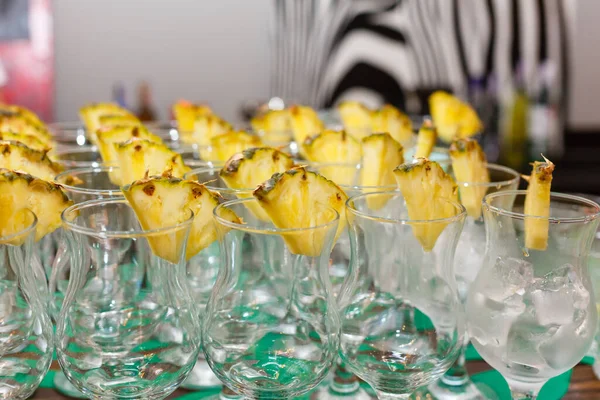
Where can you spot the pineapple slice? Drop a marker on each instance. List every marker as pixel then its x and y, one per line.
pixel 20 191
pixel 334 147
pixel 28 140
pixel 226 145
pixel 274 126
pixel 91 113
pixel 537 203
pixel 295 199
pixel 470 168
pixel 426 140
pixel 19 157
pixel 305 122
pixel 13 122
pixel 426 189
pixel 110 121
pixel 205 128
pixel 356 118
pixel 250 168
pixel 393 121
pixel 186 113
pixel 381 154
pixel 138 157
pixel 163 201
pixel 453 117
pixel 24 112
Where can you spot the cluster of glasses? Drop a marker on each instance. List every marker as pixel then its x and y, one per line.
pixel 248 313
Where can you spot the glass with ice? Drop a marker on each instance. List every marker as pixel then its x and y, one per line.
pixel 531 313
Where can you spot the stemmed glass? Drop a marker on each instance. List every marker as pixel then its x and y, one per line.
pixel 531 313
pixel 26 338
pixel 456 383
pixel 120 338
pixel 390 276
pixel 271 329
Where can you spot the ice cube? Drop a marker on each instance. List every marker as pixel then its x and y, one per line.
pixel 564 349
pixel 509 276
pixel 524 338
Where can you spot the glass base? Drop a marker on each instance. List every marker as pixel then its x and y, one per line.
pixel 63 386
pixel 201 377
pixel 467 391
pixel 350 393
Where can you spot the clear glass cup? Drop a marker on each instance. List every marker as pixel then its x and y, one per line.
pixel 80 185
pixel 271 329
pixel 456 383
pixel 531 313
pixel 196 156
pixel 26 334
pixel 78 157
pixel 391 278
pixel 119 336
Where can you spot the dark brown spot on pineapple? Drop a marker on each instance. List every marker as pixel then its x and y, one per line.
pixel 149 189
pixel 196 192
pixel 138 147
pixel 6 150
pixel 338 197
pixel 276 156
pixel 135 132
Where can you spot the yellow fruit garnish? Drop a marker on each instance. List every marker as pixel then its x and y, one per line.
pixel 356 118
pixel 205 128
pixel 274 126
pixel 452 117
pixel 393 121
pixel 426 189
pixel 163 201
pixel 186 114
pixel 305 122
pixel 23 112
pixel 15 122
pixel 381 154
pixel 425 140
pixel 226 145
pixel 295 199
pixel 18 157
pixel 537 203
pixel 20 191
pixel 470 169
pixel 334 147
pixel 138 158
pixel 28 140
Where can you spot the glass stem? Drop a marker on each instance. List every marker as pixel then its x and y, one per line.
pixel 392 396
pixel 344 382
pixel 457 374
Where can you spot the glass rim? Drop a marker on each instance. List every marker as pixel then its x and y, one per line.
pixel 553 195
pixel 80 190
pixel 404 221
pixel 130 234
pixel 75 150
pixel 490 166
pixel 268 231
pixel 30 229
pixel 188 175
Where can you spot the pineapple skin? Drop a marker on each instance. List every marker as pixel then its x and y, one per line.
pixel 537 203
pixel 426 189
pixel 17 156
pixel 291 200
pixel 28 140
pixel 469 164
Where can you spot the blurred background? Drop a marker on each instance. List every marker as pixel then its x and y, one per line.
pixel 528 66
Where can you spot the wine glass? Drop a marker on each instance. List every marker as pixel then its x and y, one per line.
pixel 26 337
pixel 80 184
pixel 456 383
pixel 271 332
pixel 531 311
pixel 118 337
pixel 391 275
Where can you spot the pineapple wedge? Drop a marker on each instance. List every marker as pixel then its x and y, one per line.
pixel 305 122
pixel 274 126
pixel 24 112
pixel 250 168
pixel 381 154
pixel 226 145
pixel 110 121
pixel 138 158
pixel 163 201
pixel 205 128
pixel 537 203
pixel 91 113
pixel 393 121
pixel 18 157
pixel 28 140
pixel 20 191
pixel 356 118
pixel 294 199
pixel 452 117
pixel 186 113
pixel 12 122
pixel 334 147
pixel 470 168
pixel 426 189
pixel 425 140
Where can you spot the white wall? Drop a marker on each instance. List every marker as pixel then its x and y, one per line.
pixel 214 50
